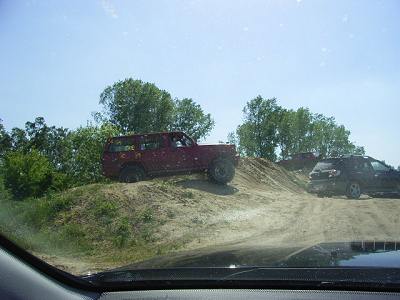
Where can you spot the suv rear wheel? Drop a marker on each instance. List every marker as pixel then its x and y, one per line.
pixel 353 190
pixel 131 174
pixel 221 171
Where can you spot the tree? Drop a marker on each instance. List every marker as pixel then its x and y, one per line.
pixel 19 140
pixel 83 152
pixel 141 107
pixel 268 127
pixel 49 141
pixel 5 140
pixel 136 106
pixel 190 118
pixel 257 136
pixel 331 139
pixel 232 138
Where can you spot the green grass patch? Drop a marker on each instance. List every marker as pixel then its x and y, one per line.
pixel 92 222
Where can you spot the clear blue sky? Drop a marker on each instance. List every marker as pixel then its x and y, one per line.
pixel 339 58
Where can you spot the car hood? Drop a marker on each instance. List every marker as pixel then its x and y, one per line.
pixel 340 265
pixel 340 254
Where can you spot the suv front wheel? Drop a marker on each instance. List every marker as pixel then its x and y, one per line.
pixel 131 174
pixel 221 171
pixel 353 190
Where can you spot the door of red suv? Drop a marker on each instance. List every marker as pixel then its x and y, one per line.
pixel 152 153
pixel 116 151
pixel 180 152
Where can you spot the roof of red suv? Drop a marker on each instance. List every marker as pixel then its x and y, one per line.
pixel 150 133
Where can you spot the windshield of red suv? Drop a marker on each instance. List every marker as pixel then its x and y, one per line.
pixel 149 135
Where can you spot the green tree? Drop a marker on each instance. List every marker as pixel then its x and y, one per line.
pixel 48 140
pixel 141 107
pixel 285 133
pixel 19 140
pixel 331 139
pixel 295 131
pixel 27 174
pixel 83 152
pixel 136 106
pixel 232 138
pixel 269 128
pixel 5 140
pixel 190 118
pixel 257 136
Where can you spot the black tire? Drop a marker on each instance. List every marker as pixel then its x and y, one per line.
pixel 353 190
pixel 221 171
pixel 131 174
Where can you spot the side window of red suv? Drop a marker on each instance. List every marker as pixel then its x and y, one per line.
pixel 180 141
pixel 151 143
pixel 121 145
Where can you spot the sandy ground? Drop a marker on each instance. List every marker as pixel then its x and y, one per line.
pixel 267 209
pixel 264 206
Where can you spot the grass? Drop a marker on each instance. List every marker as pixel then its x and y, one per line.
pixel 85 222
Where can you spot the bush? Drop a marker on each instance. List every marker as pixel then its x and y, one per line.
pixel 61 181
pixel 4 193
pixel 27 174
pixel 39 212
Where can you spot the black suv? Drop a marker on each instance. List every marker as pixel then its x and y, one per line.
pixel 352 176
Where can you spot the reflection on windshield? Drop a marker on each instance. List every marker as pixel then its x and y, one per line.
pixel 189 134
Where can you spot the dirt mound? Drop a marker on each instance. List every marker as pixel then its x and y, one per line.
pixel 108 225
pixel 261 173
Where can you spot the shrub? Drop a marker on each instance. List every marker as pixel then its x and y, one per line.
pixel 122 232
pixel 61 181
pixel 4 193
pixel 27 174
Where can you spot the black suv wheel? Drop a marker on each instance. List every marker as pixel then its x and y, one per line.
pixel 131 174
pixel 221 171
pixel 353 190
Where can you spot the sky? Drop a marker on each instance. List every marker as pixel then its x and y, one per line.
pixel 338 58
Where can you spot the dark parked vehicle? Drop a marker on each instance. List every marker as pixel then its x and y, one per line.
pixel 300 161
pixel 352 176
pixel 132 158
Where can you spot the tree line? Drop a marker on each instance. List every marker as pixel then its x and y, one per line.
pixel 271 131
pixel 40 158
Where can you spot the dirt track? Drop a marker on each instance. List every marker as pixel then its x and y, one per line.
pixel 276 212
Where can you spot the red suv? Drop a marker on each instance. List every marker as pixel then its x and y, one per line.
pixel 132 158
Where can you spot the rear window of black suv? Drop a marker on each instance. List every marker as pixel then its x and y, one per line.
pixel 328 164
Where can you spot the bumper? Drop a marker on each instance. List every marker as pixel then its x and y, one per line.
pixel 330 186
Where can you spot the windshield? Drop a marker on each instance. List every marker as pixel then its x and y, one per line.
pixel 200 134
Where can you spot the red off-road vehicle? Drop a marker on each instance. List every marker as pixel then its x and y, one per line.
pixel 132 158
